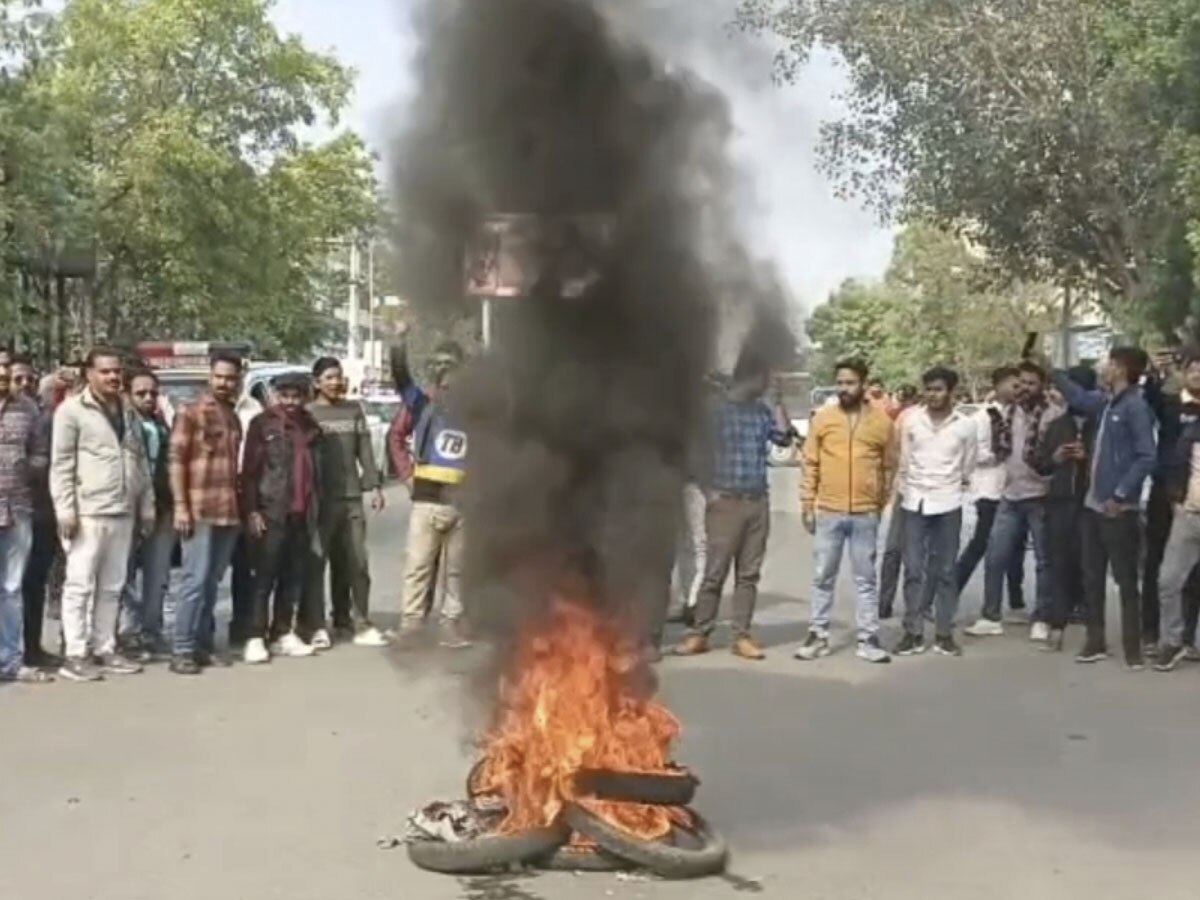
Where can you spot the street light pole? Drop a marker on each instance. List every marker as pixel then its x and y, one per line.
pixel 374 360
pixel 352 316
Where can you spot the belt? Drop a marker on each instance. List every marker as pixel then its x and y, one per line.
pixel 740 495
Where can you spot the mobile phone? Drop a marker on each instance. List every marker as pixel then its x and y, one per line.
pixel 1031 339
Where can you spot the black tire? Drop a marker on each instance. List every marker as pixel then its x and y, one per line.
pixel 676 788
pixel 486 854
pixel 582 859
pixel 695 855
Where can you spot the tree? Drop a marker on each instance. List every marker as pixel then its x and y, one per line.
pixel 175 164
pixel 937 304
pixel 1047 130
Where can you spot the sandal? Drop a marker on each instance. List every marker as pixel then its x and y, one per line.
pixel 27 675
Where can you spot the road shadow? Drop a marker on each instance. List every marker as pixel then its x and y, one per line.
pixel 784 758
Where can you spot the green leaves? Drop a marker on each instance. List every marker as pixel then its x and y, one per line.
pixel 166 135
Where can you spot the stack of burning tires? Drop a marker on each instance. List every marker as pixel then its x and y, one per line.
pixel 580 839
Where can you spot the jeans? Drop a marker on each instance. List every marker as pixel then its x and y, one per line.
pixel 976 550
pixel 142 605
pixel 97 563
pixel 1112 541
pixel 1014 519
pixel 893 557
pixel 693 549
pixel 206 556
pixel 737 527
pixel 931 545
pixel 435 535
pixel 37 578
pixel 15 543
pixel 279 562
pixel 344 539
pixel 834 531
pixel 241 588
pixel 1180 556
pixel 1065 546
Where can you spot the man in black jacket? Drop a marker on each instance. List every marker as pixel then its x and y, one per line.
pixel 1063 455
pixel 280 498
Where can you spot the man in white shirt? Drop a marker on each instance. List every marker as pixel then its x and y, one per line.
pixel 938 447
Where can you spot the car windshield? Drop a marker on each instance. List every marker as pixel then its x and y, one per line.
pixel 181 391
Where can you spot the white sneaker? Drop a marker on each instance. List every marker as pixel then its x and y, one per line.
pixel 291 645
pixel 1039 632
pixel 985 628
pixel 369 637
pixel 256 652
pixel 320 639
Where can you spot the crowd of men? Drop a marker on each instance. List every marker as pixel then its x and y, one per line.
pixel 96 485
pixel 1099 472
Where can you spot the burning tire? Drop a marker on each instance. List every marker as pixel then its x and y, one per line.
pixel 479 856
pixel 691 854
pixel 675 788
pixel 582 859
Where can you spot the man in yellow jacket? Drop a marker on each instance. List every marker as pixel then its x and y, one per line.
pixel 849 463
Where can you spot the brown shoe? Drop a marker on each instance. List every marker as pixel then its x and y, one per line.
pixel 746 648
pixel 692 645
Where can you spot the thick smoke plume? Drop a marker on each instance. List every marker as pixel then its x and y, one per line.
pixel 581 417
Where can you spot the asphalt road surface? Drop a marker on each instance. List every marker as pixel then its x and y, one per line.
pixel 1007 773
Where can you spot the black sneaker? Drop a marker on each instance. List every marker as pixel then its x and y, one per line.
pixel 117 664
pixel 76 668
pixel 213 660
pixel 1054 643
pixel 184 665
pixel 946 646
pixel 1092 653
pixel 911 645
pixel 1169 658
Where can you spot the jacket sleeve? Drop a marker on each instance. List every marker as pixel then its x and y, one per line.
pixel 892 450
pixel 811 482
pixel 1141 421
pixel 1086 403
pixel 366 455
pixel 402 378
pixel 900 450
pixel 1177 468
pixel 38 449
pixel 397 441
pixel 984 454
pixel 64 457
pixel 253 457
pixel 1057 434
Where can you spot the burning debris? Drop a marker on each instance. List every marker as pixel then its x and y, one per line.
pixel 581 415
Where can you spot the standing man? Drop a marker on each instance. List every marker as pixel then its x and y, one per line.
pixel 206 439
pixel 434 469
pixel 938 445
pixel 738 515
pixel 142 629
pixel 241 580
pixel 1022 504
pixel 280 492
pixel 987 484
pixel 347 471
pixel 849 464
pixel 46 545
pixel 893 548
pixel 24 455
pixel 103 497
pixel 1123 459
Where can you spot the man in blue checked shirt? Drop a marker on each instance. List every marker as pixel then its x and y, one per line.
pixel 738 516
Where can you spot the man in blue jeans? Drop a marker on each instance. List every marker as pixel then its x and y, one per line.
pixel 1022 504
pixel 205 443
pixel 937 456
pixel 849 461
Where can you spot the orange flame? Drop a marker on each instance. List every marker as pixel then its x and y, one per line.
pixel 568 704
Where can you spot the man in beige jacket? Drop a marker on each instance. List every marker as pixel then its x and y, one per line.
pixel 102 491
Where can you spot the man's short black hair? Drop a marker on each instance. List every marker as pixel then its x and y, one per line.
pixel 100 352
pixel 227 357
pixel 1029 367
pixel 855 365
pixel 324 364
pixel 875 381
pixel 1134 360
pixel 906 392
pixel 1003 374
pixel 140 372
pixel 946 376
pixel 22 359
pixel 293 381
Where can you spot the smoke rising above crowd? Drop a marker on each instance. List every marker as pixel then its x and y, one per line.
pixel 582 415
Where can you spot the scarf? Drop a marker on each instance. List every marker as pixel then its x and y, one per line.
pixel 1002 431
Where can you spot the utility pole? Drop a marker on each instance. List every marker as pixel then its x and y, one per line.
pixel 1065 327
pixel 352 316
pixel 374 354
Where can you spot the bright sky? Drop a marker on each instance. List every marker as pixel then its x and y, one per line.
pixel 789 211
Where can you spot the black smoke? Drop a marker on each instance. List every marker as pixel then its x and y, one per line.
pixel 581 417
